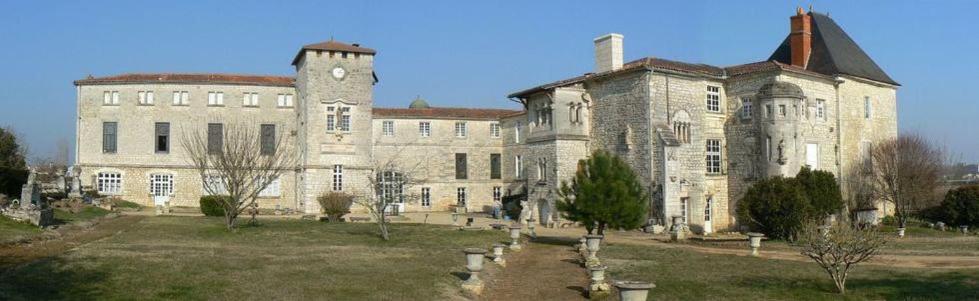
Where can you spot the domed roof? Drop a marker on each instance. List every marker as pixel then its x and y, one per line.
pixel 780 89
pixel 418 103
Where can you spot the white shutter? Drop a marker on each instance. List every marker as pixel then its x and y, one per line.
pixel 812 155
pixel 149 97
pixel 220 98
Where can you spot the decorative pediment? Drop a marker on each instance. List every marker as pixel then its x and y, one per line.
pixel 340 101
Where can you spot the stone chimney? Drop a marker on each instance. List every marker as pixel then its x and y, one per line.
pixel 800 38
pixel 608 53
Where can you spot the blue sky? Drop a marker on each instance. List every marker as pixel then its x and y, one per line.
pixel 466 53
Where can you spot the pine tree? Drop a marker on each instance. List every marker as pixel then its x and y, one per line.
pixel 605 193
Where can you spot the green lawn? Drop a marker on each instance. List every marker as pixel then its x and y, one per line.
pixel 686 275
pixel 11 230
pixel 193 258
pixel 85 214
pixel 917 241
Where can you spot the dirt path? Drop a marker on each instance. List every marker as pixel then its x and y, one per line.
pixel 70 238
pixel 544 270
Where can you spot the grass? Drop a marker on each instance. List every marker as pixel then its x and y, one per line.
pixel 194 258
pixel 11 230
pixel 85 214
pixel 686 275
pixel 126 204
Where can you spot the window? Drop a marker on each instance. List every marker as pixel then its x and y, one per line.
pixel 867 108
pixel 215 138
pixel 181 98
pixel 497 194
pixel 337 177
pixel 110 98
pixel 388 127
pixel 425 128
pixel 109 134
pixel 713 99
pixel 495 166
pixel 213 185
pixel 268 139
pixel 272 190
pixel 683 208
pixel 543 113
pixel 781 110
pixel 426 197
pixel 713 156
pixel 109 183
pixel 542 169
pixel 330 118
pixel 215 98
pixel 516 132
pixel 707 209
pixel 250 99
pixel 461 169
pixel 812 155
pixel 682 131
pixel 162 137
pixel 746 108
pixel 495 130
pixel 161 184
pixel 820 109
pixel 391 186
pixel 768 148
pixel 460 129
pixel 344 119
pixel 284 100
pixel 518 167
pixel 145 97
pixel 461 196
pixel 768 111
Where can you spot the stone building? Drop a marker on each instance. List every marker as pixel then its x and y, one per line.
pixel 697 134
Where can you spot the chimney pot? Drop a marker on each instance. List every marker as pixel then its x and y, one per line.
pixel 608 52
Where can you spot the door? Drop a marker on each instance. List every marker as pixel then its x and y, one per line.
pixel 812 155
pixel 161 188
pixel 708 224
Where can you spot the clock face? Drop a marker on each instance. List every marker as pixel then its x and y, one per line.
pixel 339 73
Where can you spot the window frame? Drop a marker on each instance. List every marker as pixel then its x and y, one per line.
pixel 496 170
pixel 461 166
pixel 714 156
pixel 426 197
pixel 461 129
pixel 713 99
pixel 495 130
pixel 337 177
pixel 425 128
pixel 165 133
pixel 747 107
pixel 387 128
pixel 105 180
pixel 106 141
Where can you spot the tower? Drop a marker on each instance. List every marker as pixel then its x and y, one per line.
pixel 335 83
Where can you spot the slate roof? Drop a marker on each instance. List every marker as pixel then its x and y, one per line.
pixel 445 113
pixel 834 52
pixel 190 78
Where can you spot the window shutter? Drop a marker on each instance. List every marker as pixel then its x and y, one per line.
pixel 461 172
pixel 268 139
pixel 109 137
pixel 214 136
pixel 494 166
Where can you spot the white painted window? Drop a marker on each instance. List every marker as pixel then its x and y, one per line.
pixel 542 169
pixel 161 184
pixel 344 119
pixel 713 156
pixel 461 196
pixel 273 190
pixel 249 99
pixel 460 129
pixel 516 132
pixel 497 194
pixel 115 97
pixel 820 109
pixel 683 208
pixel 215 98
pixel 812 155
pixel 707 209
pixel 387 126
pixel 107 97
pixel 284 100
pixel 867 108
pixel 713 99
pixel 145 97
pixel 337 177
pixel 330 118
pixel 181 98
pixel 746 108
pixel 425 128
pixel 426 197
pixel 495 130
pixel 518 167
pixel 109 183
pixel 216 185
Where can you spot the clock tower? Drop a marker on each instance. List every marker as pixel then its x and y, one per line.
pixel 335 84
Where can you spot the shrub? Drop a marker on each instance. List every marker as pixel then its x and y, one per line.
pixel 335 205
pixel 12 180
pixel 604 193
pixel 511 205
pixel 889 220
pixel 961 206
pixel 822 191
pixel 213 205
pixel 775 206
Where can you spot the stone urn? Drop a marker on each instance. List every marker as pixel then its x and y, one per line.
pixel 964 229
pixel 633 290
pixel 593 243
pixel 531 225
pixel 677 222
pixel 582 244
pixel 474 263
pixel 900 232
pixel 940 225
pixel 597 276
pixel 515 236
pixel 754 242
pixel 498 254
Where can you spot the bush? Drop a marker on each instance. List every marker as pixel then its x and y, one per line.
pixel 511 205
pixel 604 193
pixel 961 206
pixel 335 205
pixel 775 206
pixel 12 180
pixel 213 205
pixel 822 191
pixel 889 220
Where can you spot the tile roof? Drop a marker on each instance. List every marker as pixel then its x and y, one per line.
pixel 189 78
pixel 445 113
pixel 332 45
pixel 834 52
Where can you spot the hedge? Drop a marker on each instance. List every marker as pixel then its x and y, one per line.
pixel 213 205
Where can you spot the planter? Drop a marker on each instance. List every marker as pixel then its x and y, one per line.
pixel 754 242
pixel 593 243
pixel 633 290
pixel 474 263
pixel 597 276
pixel 677 222
pixel 582 244
pixel 515 236
pixel 964 229
pixel 498 253
pixel 900 232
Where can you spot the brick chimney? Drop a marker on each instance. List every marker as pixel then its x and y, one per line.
pixel 800 38
pixel 608 52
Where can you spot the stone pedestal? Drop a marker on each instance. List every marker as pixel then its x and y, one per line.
pixel 633 290
pixel 597 287
pixel 474 264
pixel 594 244
pixel 515 236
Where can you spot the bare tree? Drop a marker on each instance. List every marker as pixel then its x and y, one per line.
pixel 906 172
pixel 238 160
pixel 839 248
pixel 389 181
